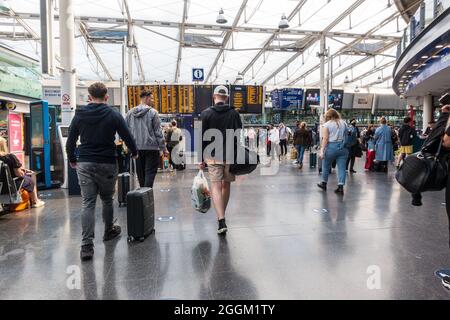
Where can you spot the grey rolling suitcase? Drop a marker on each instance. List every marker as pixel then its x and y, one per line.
pixel 123 188
pixel 140 210
pixel 140 214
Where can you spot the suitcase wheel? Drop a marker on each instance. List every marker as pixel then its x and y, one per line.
pixel 130 239
pixel 141 239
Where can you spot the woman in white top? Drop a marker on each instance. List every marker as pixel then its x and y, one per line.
pixel 333 149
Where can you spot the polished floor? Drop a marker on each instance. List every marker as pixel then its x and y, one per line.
pixel 287 240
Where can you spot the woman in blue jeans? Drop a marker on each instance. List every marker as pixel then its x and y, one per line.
pixel 333 149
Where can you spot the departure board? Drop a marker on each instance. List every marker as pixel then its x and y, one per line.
pixel 165 94
pixel 254 99
pixel 238 98
pixel 134 95
pixel 189 99
pixel 185 99
pixel 203 98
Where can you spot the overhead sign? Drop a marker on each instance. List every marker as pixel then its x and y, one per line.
pixel 198 74
pixel 312 98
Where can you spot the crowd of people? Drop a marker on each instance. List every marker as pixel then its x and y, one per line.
pixel 334 143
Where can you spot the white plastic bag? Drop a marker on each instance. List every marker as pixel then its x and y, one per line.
pixel 200 194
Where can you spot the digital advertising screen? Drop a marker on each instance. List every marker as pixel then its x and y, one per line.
pixel 336 99
pixel 312 98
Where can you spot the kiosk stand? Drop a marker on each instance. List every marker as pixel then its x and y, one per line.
pixel 40 146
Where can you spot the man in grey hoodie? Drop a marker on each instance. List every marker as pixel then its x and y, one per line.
pixel 145 127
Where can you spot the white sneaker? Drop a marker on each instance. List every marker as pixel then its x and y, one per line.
pixel 38 204
pixel 295 162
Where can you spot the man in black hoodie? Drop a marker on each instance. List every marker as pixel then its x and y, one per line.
pixel 96 124
pixel 223 120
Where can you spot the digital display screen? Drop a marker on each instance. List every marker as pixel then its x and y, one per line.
pixel 203 98
pixel 336 99
pixel 312 98
pixel 37 127
pixel 292 99
pixel 64 131
pixel 238 98
pixel 189 99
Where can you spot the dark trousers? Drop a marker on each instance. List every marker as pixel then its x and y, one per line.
pixel 269 148
pixel 351 161
pixel 283 145
pixel 147 167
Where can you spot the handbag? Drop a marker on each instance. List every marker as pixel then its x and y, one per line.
pixel 246 161
pixel 358 151
pixel 424 171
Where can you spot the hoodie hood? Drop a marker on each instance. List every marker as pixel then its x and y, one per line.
pixel 94 112
pixel 221 108
pixel 140 111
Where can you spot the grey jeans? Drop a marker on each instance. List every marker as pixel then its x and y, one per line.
pixel 96 179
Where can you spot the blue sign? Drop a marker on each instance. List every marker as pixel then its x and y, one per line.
pixel 198 74
pixel 292 99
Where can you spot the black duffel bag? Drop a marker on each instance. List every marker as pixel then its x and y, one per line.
pixel 246 161
pixel 423 171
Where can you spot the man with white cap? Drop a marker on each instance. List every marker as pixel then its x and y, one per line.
pixel 220 119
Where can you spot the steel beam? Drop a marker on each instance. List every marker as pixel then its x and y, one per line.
pixel 226 39
pixel 341 17
pixel 349 46
pixel 275 33
pixel 83 31
pixel 199 26
pixel 181 37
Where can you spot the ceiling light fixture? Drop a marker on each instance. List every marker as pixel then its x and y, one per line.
pixel 284 23
pixel 221 17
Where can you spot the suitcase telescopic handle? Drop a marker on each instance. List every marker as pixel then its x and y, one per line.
pixel 133 172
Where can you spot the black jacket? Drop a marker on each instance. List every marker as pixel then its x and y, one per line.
pixel 221 117
pixel 406 135
pixel 96 125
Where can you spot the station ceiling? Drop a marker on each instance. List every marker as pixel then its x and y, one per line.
pixel 174 36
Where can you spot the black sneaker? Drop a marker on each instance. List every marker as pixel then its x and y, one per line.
pixel 339 190
pixel 223 229
pixel 87 252
pixel 322 186
pixel 112 233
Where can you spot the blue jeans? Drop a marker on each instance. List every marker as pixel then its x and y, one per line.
pixel 335 151
pixel 300 153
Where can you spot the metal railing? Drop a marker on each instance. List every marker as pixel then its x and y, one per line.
pixel 428 11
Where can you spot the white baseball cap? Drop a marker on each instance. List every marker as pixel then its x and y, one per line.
pixel 221 91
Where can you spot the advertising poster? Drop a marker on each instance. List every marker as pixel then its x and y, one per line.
pixel 16 135
pixel 363 101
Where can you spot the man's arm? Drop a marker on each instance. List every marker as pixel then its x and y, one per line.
pixel 72 139
pixel 125 135
pixel 156 125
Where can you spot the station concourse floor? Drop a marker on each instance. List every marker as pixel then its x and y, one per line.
pixel 286 240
